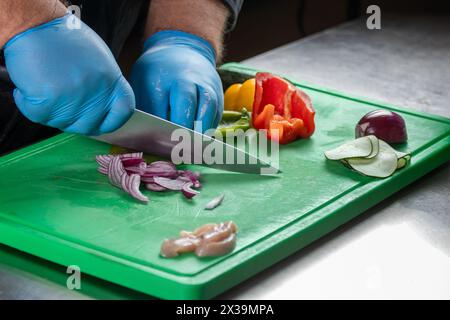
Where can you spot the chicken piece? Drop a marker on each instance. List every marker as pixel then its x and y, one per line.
pixel 171 248
pixel 209 240
pixel 215 249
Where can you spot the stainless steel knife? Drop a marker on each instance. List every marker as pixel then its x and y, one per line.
pixel 150 134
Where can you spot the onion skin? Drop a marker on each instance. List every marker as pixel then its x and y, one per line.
pixel 385 125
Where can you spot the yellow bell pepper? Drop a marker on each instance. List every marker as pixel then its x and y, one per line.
pixel 239 96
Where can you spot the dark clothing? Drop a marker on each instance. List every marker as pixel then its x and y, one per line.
pixel 113 20
pixel 16 131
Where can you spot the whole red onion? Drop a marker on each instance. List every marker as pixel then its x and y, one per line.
pixel 385 125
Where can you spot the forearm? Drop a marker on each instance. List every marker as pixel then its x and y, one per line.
pixel 204 18
pixel 17 16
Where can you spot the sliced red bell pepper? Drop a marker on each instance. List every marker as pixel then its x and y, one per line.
pixel 279 105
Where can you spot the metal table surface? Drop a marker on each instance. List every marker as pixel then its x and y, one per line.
pixel 399 248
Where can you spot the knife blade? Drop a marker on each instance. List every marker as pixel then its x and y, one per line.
pixel 151 134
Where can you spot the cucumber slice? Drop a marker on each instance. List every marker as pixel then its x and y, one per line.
pixel 370 156
pixel 375 146
pixel 382 165
pixel 402 157
pixel 401 163
pixel 361 147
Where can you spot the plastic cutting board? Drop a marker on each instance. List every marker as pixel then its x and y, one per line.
pixel 55 205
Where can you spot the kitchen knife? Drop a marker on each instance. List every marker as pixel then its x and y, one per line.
pixel 153 135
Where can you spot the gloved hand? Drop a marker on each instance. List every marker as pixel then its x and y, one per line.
pixel 68 79
pixel 176 79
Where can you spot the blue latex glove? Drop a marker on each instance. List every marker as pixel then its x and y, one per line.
pixel 176 79
pixel 68 79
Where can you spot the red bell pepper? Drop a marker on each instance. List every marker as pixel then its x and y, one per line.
pixel 282 109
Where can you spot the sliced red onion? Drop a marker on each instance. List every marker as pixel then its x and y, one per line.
pixel 154 187
pixel 161 169
pixel 140 169
pixel 115 171
pixel 103 160
pixel 171 175
pixel 124 182
pixel 191 176
pixel 163 164
pixel 171 184
pixel 130 162
pixel 135 182
pixel 102 170
pixel 188 192
pixel 131 155
pixel 147 179
pixel 127 171
pixel 130 184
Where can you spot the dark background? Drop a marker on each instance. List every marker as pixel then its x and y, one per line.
pixel 267 24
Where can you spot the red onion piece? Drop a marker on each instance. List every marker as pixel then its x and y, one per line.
pixel 139 169
pixel 147 179
pixel 188 192
pixel 385 125
pixel 130 184
pixel 170 175
pixel 191 177
pixel 131 155
pixel 115 171
pixel 154 187
pixel 103 160
pixel 171 184
pixel 124 182
pixel 130 162
pixel 163 165
pixel 135 182
pixel 161 169
pixel 102 170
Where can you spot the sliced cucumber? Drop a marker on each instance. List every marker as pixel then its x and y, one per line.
pixel 381 162
pixel 401 163
pixel 361 147
pixel 381 166
pixel 402 157
pixel 375 146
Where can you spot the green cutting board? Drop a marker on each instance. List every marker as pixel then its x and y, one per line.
pixel 55 205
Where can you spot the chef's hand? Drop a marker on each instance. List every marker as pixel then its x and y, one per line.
pixel 67 78
pixel 176 79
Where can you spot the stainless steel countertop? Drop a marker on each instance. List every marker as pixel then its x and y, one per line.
pixel 399 248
